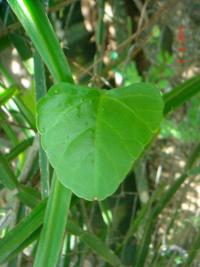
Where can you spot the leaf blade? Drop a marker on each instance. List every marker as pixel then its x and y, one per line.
pixel 86 136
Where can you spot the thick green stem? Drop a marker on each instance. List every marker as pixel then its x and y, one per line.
pixel 55 220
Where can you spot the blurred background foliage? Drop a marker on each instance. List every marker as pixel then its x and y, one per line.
pixel 109 43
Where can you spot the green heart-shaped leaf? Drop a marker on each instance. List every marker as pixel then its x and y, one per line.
pixel 92 136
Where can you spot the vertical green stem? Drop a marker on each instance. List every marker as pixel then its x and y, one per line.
pixel 100 34
pixel 40 90
pixel 55 219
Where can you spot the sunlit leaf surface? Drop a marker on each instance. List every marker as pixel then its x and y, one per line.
pixel 92 137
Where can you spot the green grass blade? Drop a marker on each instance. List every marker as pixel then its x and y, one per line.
pixel 98 246
pixel 27 114
pixel 181 93
pixel 44 172
pixel 29 196
pixel 30 228
pixel 18 149
pixel 32 16
pixel 40 79
pixel 162 203
pixel 15 237
pixel 193 251
pixel 23 245
pixel 21 45
pixel 7 75
pixel 40 89
pixel 8 129
pixel 51 238
pixel 29 231
pixel 193 158
pixel 7 176
pixel 18 101
pixel 139 220
pixel 6 94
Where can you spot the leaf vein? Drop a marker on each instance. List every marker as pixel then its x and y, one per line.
pixel 132 111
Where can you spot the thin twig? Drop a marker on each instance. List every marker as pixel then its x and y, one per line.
pixel 103 79
pixel 143 15
pixel 61 5
pixel 146 26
